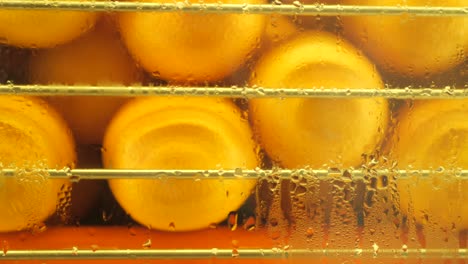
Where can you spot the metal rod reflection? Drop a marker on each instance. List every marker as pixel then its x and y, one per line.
pixel 233 92
pixel 186 6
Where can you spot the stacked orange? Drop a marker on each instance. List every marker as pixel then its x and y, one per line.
pixel 433 135
pixel 180 133
pixel 96 58
pixel 192 48
pixel 43 28
pixel 410 46
pixel 189 133
pixel 34 138
pixel 298 132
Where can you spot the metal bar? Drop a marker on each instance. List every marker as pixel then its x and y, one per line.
pixel 297 8
pixel 168 254
pixel 103 174
pixel 234 92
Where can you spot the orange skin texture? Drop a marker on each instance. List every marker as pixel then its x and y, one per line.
pixel 43 28
pixel 414 47
pixel 34 136
pixel 298 132
pixel 98 58
pixel 180 133
pixel 192 48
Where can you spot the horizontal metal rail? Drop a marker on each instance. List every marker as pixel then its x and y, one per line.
pixel 233 92
pixel 186 6
pixel 102 174
pixel 167 254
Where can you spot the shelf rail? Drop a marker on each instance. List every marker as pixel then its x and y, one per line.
pixel 186 6
pixel 104 174
pixel 234 92
pixel 275 253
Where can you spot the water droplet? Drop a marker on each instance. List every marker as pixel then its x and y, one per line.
pixel 232 220
pixel 39 228
pixel 300 190
pixel 273 222
pixel 172 226
pixel 75 251
pixel 74 178
pixel 375 247
pixel 94 247
pixel 245 9
pixel 404 248
pixel 238 173
pixel 235 253
pixel 132 231
pixel 260 91
pixel 297 4
pixel 156 74
pixel 197 177
pixel 5 247
pixel 275 235
pixel 147 244
pixel 106 216
pixel 300 205
pixel 180 5
pixel 249 224
pixel 449 90
pixel 309 232
pixel 235 243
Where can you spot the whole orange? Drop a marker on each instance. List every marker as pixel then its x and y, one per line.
pixel 43 28
pixel 192 48
pixel 173 134
pixel 410 46
pixel 34 138
pixel 97 58
pixel 299 132
pixel 432 135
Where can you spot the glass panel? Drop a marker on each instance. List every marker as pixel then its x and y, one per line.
pixel 233 131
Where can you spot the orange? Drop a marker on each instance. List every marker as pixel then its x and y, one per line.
pixel 43 28
pixel 180 133
pixel 34 137
pixel 410 46
pixel 433 135
pixel 97 58
pixel 192 48
pixel 279 28
pixel 296 131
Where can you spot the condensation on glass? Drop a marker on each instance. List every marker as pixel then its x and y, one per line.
pixel 233 131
